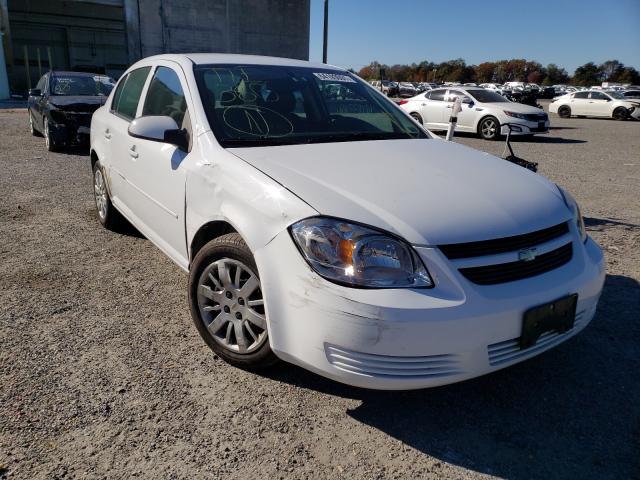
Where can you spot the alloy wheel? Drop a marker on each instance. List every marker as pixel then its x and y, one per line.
pixel 232 306
pixel 100 192
pixel 489 128
pixel 47 140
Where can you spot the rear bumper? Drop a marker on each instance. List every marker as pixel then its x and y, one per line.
pixel 409 339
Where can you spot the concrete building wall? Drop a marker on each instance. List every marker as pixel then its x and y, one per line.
pixel 262 27
pixel 108 35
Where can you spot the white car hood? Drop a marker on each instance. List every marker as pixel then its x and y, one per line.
pixel 513 107
pixel 429 192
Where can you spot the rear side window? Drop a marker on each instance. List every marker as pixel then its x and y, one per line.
pixel 127 95
pixel 437 95
pixel 581 95
pixel 165 96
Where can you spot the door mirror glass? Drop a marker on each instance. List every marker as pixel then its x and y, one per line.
pixel 35 92
pixel 159 128
pixel 467 100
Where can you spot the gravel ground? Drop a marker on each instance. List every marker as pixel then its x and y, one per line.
pixel 102 374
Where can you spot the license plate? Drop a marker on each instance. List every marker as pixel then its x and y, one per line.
pixel 558 316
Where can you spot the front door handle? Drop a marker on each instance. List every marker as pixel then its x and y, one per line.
pixel 132 152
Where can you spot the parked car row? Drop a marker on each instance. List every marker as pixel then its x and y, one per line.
pixel 484 112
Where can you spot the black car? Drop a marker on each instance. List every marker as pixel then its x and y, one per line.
pixel 61 105
pixel 547 92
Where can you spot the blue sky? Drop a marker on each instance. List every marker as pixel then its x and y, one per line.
pixel 566 32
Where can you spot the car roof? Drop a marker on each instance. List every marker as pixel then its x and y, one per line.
pixel 232 58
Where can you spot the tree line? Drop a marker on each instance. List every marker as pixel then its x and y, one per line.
pixel 517 70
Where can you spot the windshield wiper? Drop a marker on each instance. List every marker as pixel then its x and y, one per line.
pixel 356 136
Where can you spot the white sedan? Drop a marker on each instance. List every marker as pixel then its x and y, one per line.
pixel 334 232
pixel 596 103
pixel 483 112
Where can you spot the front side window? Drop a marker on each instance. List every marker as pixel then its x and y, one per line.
pixel 127 95
pixel 165 96
pixel 599 96
pixel 256 105
pixel 486 96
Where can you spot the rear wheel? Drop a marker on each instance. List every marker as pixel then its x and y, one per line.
pixel 564 112
pixel 620 113
pixel 109 217
pixel 416 117
pixel 489 128
pixel 227 303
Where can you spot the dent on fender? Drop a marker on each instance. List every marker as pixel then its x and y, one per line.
pixel 257 207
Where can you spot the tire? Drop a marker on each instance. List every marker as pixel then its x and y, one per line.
pixel 489 128
pixel 620 113
pixel 228 309
pixel 109 217
pixel 32 127
pixel 49 142
pixel 564 112
pixel 417 117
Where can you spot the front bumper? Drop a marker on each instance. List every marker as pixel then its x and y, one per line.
pixel 528 128
pixel 70 128
pixel 413 338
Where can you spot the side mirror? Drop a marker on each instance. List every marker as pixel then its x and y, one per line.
pixel 467 100
pixel 159 129
pixel 35 92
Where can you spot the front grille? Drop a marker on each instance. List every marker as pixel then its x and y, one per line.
pixel 511 271
pixel 502 245
pixel 367 364
pixel 510 351
pixel 536 117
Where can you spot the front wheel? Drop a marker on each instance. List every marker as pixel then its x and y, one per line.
pixel 489 128
pixel 227 303
pixel 564 112
pixel 32 127
pixel 620 113
pixel 49 142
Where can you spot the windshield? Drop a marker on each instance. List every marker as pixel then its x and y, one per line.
pixel 486 96
pixel 616 95
pixel 81 85
pixel 257 105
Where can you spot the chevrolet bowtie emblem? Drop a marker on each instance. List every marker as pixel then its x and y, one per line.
pixel 527 255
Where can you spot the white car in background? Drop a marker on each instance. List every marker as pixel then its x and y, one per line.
pixel 334 232
pixel 483 112
pixel 494 87
pixel 595 103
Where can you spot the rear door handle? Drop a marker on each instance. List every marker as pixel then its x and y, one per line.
pixel 107 134
pixel 132 152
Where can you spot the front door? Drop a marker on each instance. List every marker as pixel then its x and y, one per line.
pixel 155 171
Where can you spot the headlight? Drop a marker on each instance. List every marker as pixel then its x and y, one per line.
pixel 358 256
pixel 577 215
pixel 514 114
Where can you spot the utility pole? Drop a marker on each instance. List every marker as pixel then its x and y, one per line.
pixel 326 31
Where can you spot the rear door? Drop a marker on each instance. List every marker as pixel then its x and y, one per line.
pixel 115 130
pixel 433 109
